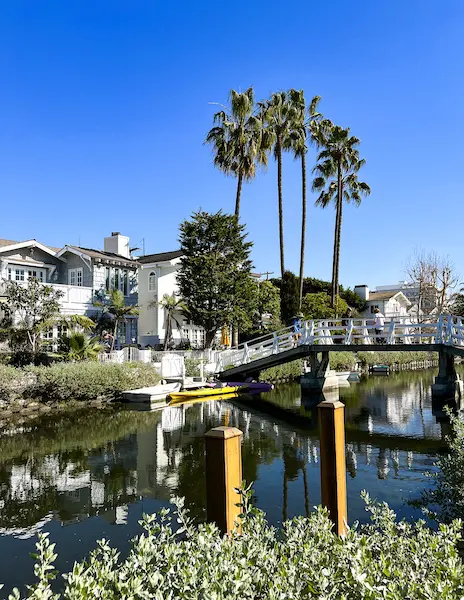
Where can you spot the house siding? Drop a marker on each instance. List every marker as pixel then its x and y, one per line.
pixel 75 262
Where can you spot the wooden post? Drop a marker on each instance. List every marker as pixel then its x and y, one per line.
pixel 223 475
pixel 333 466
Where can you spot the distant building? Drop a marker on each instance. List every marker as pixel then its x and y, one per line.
pixel 390 303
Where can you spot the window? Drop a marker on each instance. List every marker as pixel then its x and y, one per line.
pixel 19 274
pixel 10 275
pixel 36 274
pixel 107 279
pixel 373 308
pixel 75 277
pixel 125 278
pixel 116 279
pixel 152 282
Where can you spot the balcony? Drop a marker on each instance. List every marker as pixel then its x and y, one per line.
pixel 75 299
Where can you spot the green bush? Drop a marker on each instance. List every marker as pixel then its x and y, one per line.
pixel 88 380
pixel 290 370
pixel 446 496
pixel 342 361
pixel 386 559
pixel 192 366
pixel 74 381
pixel 393 358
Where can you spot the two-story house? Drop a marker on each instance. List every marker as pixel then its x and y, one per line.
pixel 157 277
pixel 81 274
pixel 390 303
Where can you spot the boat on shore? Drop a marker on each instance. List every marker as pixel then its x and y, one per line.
pixel 154 393
pixel 379 369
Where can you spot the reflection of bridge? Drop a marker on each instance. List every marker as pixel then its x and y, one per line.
pixel 443 334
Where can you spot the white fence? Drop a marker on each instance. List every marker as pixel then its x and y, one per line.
pixel 445 329
pixel 128 354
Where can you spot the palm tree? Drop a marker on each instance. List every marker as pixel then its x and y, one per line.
pixel 279 116
pixel 305 129
pixel 116 306
pixel 74 322
pixel 337 170
pixel 171 305
pixel 236 139
pixel 79 346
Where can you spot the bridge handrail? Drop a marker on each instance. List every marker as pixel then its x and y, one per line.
pixel 444 329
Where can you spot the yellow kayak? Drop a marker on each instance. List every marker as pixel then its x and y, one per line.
pixel 203 392
pixel 204 399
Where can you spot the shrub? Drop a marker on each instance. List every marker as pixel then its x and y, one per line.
pixel 88 380
pixel 13 383
pixel 192 366
pixel 446 496
pixel 393 358
pixel 290 370
pixel 342 361
pixel 386 559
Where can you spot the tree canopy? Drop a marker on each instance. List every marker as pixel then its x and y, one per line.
pixel 215 269
pixel 319 306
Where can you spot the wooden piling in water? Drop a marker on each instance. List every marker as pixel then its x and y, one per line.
pixel 332 459
pixel 223 476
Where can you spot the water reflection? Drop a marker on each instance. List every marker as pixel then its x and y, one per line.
pixel 103 467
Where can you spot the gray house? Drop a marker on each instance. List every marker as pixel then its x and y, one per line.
pixel 81 274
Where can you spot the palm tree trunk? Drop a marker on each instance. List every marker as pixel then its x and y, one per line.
pixel 238 196
pixel 281 212
pixel 167 334
pixel 303 223
pixel 115 333
pixel 339 235
pixel 336 254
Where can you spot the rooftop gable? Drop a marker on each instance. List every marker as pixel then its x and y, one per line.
pixel 101 255
pixel 149 259
pixel 9 245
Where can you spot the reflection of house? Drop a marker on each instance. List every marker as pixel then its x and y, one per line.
pixel 80 274
pixel 390 303
pixel 157 277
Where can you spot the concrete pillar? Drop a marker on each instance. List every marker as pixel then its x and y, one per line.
pixel 320 378
pixel 447 384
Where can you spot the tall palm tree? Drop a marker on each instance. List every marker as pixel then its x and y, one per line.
pixel 236 140
pixel 279 116
pixel 337 169
pixel 172 306
pixel 304 131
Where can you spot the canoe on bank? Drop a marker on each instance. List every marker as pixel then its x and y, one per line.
pixel 154 393
pixel 181 396
pixel 181 401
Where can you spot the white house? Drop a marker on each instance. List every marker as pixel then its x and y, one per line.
pixel 390 303
pixel 157 277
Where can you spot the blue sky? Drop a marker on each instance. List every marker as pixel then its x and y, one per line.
pixel 104 107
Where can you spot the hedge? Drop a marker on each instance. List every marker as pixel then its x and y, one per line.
pixel 74 381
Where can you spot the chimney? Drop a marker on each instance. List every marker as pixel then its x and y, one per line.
pixel 117 244
pixel 362 291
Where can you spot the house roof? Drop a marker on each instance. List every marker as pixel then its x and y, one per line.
pixel 4 244
pixel 101 254
pixel 160 257
pixel 373 296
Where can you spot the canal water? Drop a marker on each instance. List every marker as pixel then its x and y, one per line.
pixel 94 473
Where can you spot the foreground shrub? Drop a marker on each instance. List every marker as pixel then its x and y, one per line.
pixel 87 380
pixel 386 559
pixel 13 383
pixel 445 500
pixel 342 361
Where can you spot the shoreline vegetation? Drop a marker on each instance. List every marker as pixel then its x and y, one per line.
pixel 360 361
pixel 37 388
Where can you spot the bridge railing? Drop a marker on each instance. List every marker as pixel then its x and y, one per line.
pixel 442 329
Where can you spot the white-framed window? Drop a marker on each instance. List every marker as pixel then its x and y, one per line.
pixel 37 273
pixel 19 274
pixel 152 282
pixel 10 274
pixel 75 277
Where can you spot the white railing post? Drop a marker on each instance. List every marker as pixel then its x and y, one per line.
pixel 391 332
pixel 365 332
pixel 349 332
pixel 310 339
pixel 449 331
pixel 275 345
pixel 246 353
pixel 439 333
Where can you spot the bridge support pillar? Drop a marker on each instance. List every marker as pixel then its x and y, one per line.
pixel 320 378
pixel 447 384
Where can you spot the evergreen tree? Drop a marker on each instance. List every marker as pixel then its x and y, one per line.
pixel 289 297
pixel 215 269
